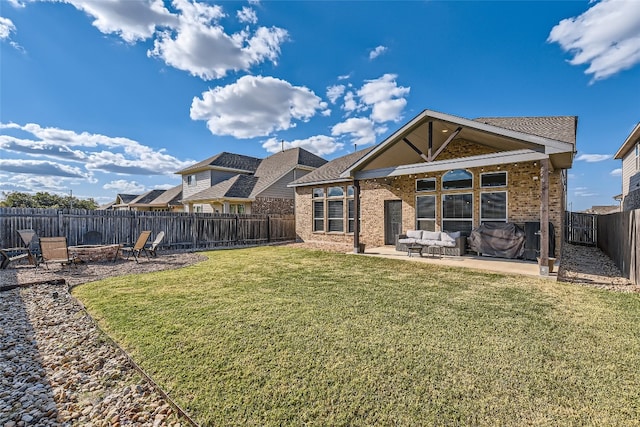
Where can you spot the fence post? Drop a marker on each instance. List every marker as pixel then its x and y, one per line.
pixel 268 228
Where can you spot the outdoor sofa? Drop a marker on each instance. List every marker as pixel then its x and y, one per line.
pixel 451 243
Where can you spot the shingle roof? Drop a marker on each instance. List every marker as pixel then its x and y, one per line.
pixel 170 197
pixel 239 186
pixel 560 128
pixel 331 171
pixel 227 161
pixel 146 198
pixel 279 164
pixel 126 198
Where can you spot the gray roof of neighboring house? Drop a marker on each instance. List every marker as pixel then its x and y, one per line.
pixel 170 197
pixel 239 186
pixel 126 198
pixel 279 164
pixel 226 161
pixel 146 198
pixel 560 128
pixel 332 170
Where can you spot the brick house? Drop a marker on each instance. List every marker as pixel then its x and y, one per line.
pixel 238 184
pixel 442 172
pixel 629 153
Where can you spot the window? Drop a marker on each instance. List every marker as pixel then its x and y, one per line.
pixel 457 212
pixel 318 192
pixel 426 184
pixel 191 180
pixel 335 217
pixel 426 213
pixel 457 179
pixel 236 209
pixel 335 192
pixel 493 207
pixel 318 215
pixel 198 208
pixel 493 179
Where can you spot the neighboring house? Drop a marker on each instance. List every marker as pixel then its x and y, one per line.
pixel 234 183
pixel 602 210
pixel 442 172
pixel 629 153
pixel 154 200
pixel 121 202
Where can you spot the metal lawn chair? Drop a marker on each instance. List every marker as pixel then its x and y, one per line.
pixel 138 248
pixel 152 249
pixel 54 250
pixel 8 255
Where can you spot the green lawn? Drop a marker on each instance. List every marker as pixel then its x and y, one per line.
pixel 282 336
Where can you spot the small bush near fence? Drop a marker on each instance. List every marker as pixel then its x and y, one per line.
pixel 193 230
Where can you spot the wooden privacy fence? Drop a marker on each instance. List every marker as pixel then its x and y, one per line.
pixel 192 230
pixel 618 237
pixel 581 228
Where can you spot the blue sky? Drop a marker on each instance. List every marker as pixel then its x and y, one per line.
pixel 100 97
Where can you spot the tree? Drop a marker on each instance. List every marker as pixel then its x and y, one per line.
pixel 43 199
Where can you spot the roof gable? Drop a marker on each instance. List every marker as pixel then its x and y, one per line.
pixel 430 131
pixel 332 170
pixel 628 143
pixel 276 166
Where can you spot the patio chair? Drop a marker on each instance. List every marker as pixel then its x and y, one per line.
pixel 8 255
pixel 31 241
pixel 152 249
pixel 54 250
pixel 138 248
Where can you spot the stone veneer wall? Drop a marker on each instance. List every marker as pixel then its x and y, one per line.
pixel 632 201
pixel 523 199
pixel 272 206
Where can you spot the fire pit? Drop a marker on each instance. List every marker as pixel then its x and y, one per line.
pixel 95 252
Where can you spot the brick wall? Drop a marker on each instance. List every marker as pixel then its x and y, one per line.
pixel 523 199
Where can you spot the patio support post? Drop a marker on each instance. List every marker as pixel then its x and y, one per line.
pixel 544 217
pixel 356 214
pixel 430 136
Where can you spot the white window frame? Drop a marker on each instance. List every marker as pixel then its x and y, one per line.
pixel 456 189
pixel 191 180
pixel 506 207
pixel 443 218
pixel 350 197
pixel 506 179
pixel 321 219
pixel 427 219
pixel 435 183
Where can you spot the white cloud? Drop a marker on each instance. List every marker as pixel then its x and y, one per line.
pixel 6 28
pixel 96 152
pixel 377 52
pixel 593 158
pixel 255 106
pixel 247 15
pixel 131 20
pixel 320 145
pixel 349 104
pixel 385 98
pixel 125 187
pixel 200 45
pixel 360 129
pixel 616 172
pixel 606 37
pixel 335 92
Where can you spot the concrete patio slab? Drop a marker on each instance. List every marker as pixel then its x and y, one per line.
pixel 485 263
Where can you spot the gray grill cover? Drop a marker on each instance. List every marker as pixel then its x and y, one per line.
pixel 505 240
